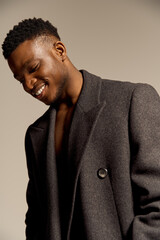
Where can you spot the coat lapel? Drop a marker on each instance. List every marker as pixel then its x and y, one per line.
pixel 42 137
pixel 54 221
pixel 89 108
pixel 86 112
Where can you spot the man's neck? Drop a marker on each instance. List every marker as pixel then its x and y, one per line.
pixel 73 90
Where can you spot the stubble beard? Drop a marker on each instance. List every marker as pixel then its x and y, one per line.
pixel 59 93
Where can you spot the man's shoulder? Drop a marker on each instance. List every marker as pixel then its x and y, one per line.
pixel 110 86
pixel 106 82
pixel 116 91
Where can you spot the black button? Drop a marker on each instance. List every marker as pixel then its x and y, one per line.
pixel 102 173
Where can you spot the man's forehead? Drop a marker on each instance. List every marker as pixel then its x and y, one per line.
pixel 32 46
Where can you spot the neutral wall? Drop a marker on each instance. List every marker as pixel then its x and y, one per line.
pixel 116 39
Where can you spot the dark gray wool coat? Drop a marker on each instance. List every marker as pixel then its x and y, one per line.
pixel 111 175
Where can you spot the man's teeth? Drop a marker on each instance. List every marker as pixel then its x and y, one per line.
pixel 40 90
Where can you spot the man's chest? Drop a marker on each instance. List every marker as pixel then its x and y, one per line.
pixel 62 128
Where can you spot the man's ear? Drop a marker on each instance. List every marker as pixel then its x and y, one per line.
pixel 60 50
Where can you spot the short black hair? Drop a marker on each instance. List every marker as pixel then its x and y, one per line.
pixel 26 30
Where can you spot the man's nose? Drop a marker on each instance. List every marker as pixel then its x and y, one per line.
pixel 29 83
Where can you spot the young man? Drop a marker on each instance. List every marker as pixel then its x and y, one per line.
pixel 94 157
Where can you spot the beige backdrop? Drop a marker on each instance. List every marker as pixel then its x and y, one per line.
pixel 116 39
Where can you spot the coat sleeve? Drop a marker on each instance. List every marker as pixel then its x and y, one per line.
pixel 33 222
pixel 145 162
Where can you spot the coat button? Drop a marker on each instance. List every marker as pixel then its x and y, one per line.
pixel 102 173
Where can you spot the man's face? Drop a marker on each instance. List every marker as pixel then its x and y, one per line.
pixel 39 66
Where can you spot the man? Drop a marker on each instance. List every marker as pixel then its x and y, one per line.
pixel 94 157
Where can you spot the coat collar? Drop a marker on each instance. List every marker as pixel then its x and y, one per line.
pixel 90 93
pixel 85 115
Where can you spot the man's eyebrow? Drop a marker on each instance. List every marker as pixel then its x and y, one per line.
pixel 25 65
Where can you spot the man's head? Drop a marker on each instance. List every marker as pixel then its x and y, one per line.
pixel 38 59
pixel 26 30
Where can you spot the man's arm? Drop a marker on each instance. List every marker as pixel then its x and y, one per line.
pixel 145 162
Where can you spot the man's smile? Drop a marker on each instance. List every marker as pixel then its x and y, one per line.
pixel 38 91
